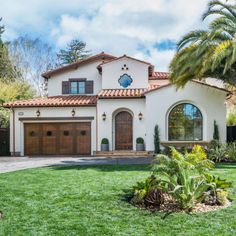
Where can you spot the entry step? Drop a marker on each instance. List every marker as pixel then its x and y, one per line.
pixel 124 153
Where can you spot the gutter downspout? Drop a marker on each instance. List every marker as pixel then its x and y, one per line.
pixel 14 132
pixel 96 127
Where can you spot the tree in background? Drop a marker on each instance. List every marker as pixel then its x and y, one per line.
pixel 75 51
pixel 7 72
pixel 31 57
pixel 1 30
pixel 208 53
pixel 12 87
pixel 157 139
pixel 231 118
pixel 12 91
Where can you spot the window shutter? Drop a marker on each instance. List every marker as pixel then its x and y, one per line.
pixel 65 87
pixel 89 87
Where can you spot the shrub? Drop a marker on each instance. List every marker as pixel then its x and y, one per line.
pixel 222 196
pixel 218 182
pixel 154 197
pixel 157 140
pixel 148 193
pixel 139 140
pixel 231 151
pixel 185 178
pixel 177 174
pixel 214 143
pixel 222 152
pixel 216 131
pixel 219 153
pixel 190 191
pixel 210 198
pixel 217 194
pixel 105 141
pixel 231 119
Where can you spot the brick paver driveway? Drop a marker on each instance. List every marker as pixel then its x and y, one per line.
pixel 9 164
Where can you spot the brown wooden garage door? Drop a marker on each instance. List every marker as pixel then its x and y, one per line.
pixel 57 138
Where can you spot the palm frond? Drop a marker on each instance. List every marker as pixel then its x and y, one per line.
pixel 221 6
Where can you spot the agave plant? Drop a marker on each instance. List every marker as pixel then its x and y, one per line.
pixel 190 191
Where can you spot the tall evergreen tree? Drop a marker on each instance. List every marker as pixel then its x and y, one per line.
pixel 157 139
pixel 75 51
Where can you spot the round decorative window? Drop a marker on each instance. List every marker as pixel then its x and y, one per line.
pixel 125 80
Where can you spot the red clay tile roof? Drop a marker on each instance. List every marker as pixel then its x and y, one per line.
pixel 125 93
pixel 75 65
pixel 56 101
pixel 159 75
pixel 121 93
pixel 193 81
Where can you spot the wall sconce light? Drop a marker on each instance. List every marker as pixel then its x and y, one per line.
pixel 73 112
pixel 38 113
pixel 140 116
pixel 104 116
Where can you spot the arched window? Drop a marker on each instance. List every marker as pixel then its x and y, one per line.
pixel 185 123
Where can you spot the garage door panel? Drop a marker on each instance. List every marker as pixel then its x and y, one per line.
pixel 32 139
pixel 49 139
pixel 83 138
pixel 66 138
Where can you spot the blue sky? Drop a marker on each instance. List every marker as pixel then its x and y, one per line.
pixel 147 29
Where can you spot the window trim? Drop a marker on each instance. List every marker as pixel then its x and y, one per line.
pixel 168 119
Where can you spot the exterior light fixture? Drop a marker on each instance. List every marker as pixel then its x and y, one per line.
pixel 104 116
pixel 140 116
pixel 73 112
pixel 38 113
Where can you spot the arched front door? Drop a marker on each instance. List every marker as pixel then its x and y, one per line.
pixel 123 131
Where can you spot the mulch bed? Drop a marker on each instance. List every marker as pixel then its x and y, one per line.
pixel 170 206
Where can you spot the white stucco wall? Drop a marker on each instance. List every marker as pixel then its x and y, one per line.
pixel 45 113
pixel 155 109
pixel 88 71
pixel 159 82
pixel 211 103
pixel 112 71
pixel 110 106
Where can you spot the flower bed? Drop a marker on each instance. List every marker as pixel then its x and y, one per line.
pixel 182 182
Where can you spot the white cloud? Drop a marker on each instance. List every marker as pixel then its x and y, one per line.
pixel 118 26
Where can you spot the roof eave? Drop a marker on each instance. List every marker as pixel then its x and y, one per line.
pixel 75 65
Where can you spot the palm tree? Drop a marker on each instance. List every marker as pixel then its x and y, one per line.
pixel 208 53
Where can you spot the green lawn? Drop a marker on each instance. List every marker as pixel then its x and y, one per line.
pixel 90 201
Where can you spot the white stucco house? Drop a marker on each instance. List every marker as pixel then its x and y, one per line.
pixel 118 98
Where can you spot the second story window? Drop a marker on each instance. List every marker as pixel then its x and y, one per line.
pixel 77 87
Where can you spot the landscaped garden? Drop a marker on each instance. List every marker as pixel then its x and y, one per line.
pixel 92 200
